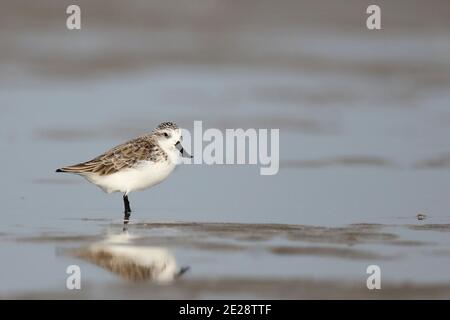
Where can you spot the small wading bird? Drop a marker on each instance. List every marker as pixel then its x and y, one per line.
pixel 135 165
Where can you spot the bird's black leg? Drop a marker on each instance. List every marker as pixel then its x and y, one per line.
pixel 127 214
pixel 127 204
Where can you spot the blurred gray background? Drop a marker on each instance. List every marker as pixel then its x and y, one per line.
pixel 364 115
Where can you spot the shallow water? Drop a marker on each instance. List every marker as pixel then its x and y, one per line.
pixel 363 140
pixel 223 259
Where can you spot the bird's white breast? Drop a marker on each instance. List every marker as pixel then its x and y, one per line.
pixel 145 175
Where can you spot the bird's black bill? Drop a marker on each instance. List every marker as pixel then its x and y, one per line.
pixel 183 152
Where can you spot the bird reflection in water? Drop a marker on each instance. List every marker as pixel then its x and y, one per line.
pixel 118 255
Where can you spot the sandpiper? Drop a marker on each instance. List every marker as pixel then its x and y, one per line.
pixel 135 165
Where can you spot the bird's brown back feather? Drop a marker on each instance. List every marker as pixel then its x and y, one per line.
pixel 126 155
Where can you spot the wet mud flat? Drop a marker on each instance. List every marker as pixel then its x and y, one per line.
pixel 235 288
pixel 364 139
pixel 233 260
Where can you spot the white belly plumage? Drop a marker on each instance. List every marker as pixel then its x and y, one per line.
pixel 143 176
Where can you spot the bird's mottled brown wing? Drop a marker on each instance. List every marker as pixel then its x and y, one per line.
pixel 123 156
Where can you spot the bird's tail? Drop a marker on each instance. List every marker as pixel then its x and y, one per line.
pixel 78 168
pixel 66 170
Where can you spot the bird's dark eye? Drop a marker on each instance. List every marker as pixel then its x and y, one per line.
pixel 166 134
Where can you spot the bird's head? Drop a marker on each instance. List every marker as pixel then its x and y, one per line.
pixel 169 137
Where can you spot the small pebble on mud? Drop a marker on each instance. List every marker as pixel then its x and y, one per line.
pixel 421 216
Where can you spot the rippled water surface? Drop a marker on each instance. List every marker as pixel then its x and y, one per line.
pixel 364 122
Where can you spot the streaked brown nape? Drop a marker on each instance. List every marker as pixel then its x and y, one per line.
pixel 167 125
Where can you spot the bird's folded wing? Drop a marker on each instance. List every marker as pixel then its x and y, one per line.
pixel 124 156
